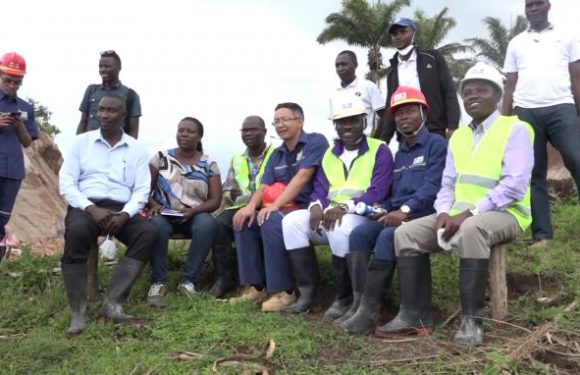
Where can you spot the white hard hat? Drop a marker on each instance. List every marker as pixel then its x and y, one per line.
pixel 346 105
pixel 485 72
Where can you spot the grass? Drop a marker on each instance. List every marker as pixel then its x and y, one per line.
pixel 34 317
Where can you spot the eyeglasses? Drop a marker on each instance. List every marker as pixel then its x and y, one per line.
pixel 250 130
pixel 283 120
pixel 11 82
pixel 108 53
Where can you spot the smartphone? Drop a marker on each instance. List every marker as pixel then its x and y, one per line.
pixel 14 114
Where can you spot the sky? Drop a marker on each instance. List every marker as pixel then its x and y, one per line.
pixel 218 61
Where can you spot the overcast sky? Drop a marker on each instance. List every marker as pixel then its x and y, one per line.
pixel 218 60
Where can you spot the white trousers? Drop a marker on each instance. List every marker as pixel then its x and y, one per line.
pixel 297 232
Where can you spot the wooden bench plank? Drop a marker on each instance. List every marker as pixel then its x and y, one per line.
pixel 497 281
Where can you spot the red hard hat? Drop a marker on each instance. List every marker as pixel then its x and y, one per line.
pixel 272 192
pixel 406 95
pixel 13 64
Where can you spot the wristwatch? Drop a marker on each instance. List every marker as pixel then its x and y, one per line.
pixel 405 209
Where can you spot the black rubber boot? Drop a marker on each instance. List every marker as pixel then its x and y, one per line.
pixel 305 270
pixel 379 274
pixel 356 263
pixel 472 283
pixel 75 281
pixel 223 267
pixel 414 317
pixel 342 289
pixel 119 287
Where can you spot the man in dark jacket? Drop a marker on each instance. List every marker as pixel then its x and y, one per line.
pixel 425 70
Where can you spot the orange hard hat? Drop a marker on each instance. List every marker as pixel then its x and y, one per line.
pixel 13 64
pixel 272 192
pixel 406 95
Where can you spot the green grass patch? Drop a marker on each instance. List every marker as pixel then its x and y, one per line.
pixel 34 316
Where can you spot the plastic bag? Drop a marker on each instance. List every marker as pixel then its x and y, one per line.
pixel 108 248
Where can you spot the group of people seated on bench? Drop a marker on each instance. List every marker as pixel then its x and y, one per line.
pixel 377 213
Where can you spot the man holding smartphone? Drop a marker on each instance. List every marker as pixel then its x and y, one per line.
pixel 17 129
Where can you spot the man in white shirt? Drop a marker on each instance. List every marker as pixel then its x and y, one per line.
pixel 346 64
pixel 543 88
pixel 106 181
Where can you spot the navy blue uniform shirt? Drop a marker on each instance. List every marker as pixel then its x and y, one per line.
pixel 284 164
pixel 11 155
pixel 417 174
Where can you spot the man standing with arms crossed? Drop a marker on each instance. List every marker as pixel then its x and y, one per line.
pixel 543 88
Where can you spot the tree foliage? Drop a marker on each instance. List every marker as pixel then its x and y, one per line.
pixel 433 30
pixel 361 24
pixel 42 115
pixel 494 48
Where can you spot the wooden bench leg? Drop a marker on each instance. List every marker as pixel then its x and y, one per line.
pixel 92 274
pixel 497 282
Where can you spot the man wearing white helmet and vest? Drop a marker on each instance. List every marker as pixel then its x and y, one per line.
pixel 356 169
pixel 416 180
pixel 17 129
pixel 484 200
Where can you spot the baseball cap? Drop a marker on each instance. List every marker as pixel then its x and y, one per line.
pixel 403 22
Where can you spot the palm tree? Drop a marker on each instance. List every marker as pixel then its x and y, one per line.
pixel 494 49
pixel 362 24
pixel 433 31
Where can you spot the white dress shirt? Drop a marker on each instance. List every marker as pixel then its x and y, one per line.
pixel 407 71
pixel 95 170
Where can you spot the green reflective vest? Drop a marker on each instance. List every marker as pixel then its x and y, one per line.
pixel 479 171
pixel 242 175
pixel 346 185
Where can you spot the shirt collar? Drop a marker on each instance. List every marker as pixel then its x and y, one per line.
pixel 548 28
pixel 338 148
pixel 486 124
pixel 421 139
pixel 354 83
pixel 262 155
pixel 411 58
pixel 7 98
pixel 96 136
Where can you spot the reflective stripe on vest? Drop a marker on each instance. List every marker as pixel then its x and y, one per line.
pixel 344 185
pixel 242 174
pixel 479 170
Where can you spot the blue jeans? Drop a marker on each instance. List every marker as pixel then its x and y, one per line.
pixel 202 229
pixel 560 126
pixel 374 235
pixel 262 256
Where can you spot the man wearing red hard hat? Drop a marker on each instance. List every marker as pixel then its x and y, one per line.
pixel 417 174
pixel 17 129
pixel 263 261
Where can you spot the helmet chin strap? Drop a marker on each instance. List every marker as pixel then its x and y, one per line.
pixel 414 133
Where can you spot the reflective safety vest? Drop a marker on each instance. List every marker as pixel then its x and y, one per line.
pixel 480 170
pixel 242 175
pixel 346 185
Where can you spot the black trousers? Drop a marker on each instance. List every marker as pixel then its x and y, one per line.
pixel 81 232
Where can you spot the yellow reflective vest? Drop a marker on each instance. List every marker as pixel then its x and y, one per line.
pixel 242 175
pixel 346 185
pixel 480 170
